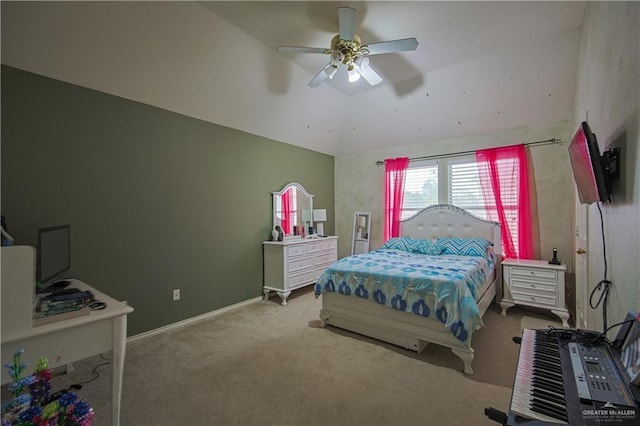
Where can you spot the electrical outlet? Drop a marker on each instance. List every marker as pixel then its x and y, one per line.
pixel 176 294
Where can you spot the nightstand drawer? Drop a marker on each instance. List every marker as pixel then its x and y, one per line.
pixel 536 287
pixel 549 274
pixel 534 299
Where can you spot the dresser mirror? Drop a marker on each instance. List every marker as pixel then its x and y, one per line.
pixel 292 210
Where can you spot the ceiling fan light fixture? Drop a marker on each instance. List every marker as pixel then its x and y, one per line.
pixel 353 75
pixel 336 58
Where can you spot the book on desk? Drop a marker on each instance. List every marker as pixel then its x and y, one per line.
pixel 62 305
pixel 43 318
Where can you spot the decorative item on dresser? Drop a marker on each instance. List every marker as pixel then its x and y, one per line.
pixel 295 263
pixel 536 283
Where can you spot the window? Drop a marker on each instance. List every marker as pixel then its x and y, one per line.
pixel 420 189
pixel 464 188
pixel 492 184
pixel 448 181
pixel 455 181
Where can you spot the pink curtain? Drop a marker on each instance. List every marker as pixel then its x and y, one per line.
pixel 394 174
pixel 286 212
pixel 504 178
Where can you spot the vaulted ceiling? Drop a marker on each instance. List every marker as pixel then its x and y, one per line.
pixel 479 66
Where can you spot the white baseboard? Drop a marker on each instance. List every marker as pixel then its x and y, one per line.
pixel 192 320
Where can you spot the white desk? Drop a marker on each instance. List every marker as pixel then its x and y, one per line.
pixel 73 339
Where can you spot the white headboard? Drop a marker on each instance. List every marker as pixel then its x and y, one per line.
pixel 446 220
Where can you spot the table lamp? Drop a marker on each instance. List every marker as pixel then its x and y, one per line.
pixel 319 217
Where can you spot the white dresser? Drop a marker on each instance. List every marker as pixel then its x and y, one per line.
pixel 296 263
pixel 534 283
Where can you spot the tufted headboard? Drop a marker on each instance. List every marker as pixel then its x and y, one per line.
pixel 446 220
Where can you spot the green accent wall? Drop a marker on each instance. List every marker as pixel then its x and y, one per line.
pixel 156 200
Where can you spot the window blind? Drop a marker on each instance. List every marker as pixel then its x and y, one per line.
pixel 420 189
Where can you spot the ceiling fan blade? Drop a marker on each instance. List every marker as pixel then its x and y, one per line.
pixel 302 49
pixel 320 77
pixel 347 22
pixel 370 75
pixel 401 45
pixel 361 65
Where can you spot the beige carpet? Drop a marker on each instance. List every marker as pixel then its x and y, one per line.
pixel 265 364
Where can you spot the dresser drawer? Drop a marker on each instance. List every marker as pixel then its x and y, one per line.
pixel 295 250
pixel 300 264
pixel 321 245
pixel 534 299
pixel 326 258
pixel 535 287
pixel 300 279
pixel 549 274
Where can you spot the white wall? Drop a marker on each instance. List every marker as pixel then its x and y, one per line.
pixel 178 56
pixel 360 183
pixel 608 96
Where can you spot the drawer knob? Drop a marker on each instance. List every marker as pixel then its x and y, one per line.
pixel 532 273
pixel 533 286
pixel 533 299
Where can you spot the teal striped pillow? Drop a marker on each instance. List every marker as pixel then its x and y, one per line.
pixel 464 246
pixel 412 245
pixel 423 246
pixel 398 244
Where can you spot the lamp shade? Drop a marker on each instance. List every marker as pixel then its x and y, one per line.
pixel 361 221
pixel 319 215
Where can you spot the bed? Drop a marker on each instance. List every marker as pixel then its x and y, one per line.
pixel 407 294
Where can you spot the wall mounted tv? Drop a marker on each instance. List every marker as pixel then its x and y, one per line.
pixel 592 172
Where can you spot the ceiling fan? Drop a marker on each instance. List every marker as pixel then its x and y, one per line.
pixel 347 49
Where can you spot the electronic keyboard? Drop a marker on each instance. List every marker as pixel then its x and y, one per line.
pixel 562 381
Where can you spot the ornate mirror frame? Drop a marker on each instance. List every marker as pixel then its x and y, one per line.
pixel 301 212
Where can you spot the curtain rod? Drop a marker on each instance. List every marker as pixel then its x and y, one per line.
pixel 456 154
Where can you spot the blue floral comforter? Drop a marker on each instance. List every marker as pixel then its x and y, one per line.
pixel 442 287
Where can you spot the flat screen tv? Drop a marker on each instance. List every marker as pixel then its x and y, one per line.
pixel 587 165
pixel 53 255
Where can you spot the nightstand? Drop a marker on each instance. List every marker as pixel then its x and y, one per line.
pixel 534 283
